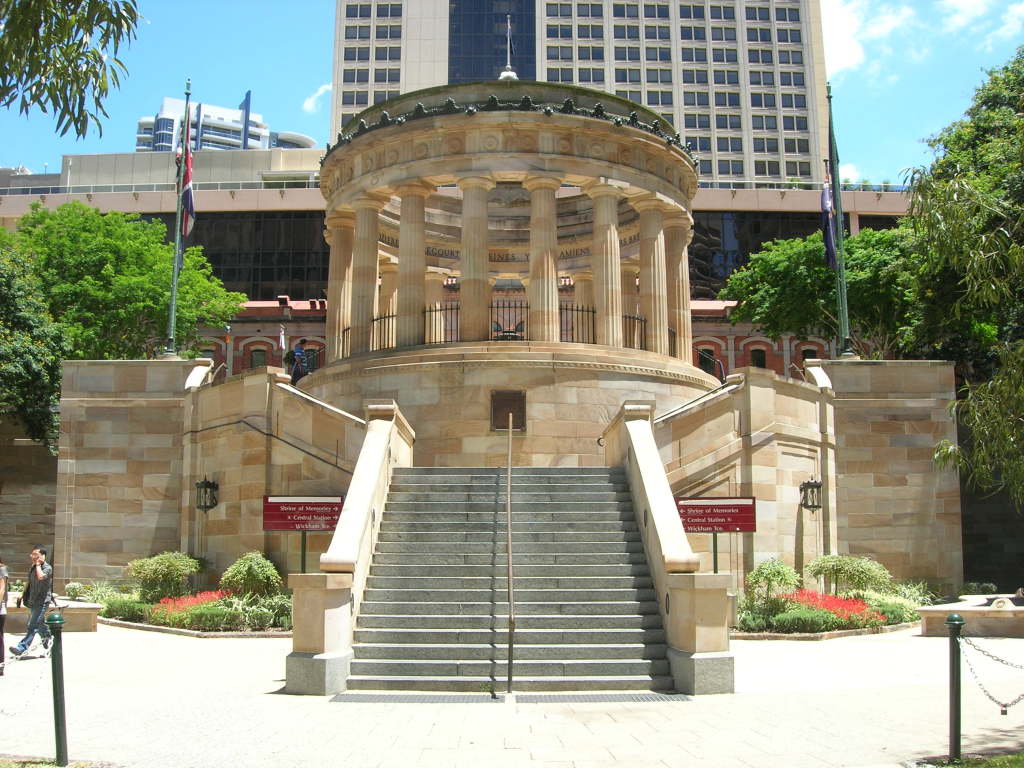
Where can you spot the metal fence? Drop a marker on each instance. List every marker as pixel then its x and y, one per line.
pixel 441 323
pixel 382 332
pixel 634 332
pixel 509 320
pixel 577 323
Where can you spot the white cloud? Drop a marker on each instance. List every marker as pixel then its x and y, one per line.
pixel 849 26
pixel 310 104
pixel 888 20
pixel 957 14
pixel 848 171
pixel 1011 26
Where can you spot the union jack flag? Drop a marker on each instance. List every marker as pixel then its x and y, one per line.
pixel 188 208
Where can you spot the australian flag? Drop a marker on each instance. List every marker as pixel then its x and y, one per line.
pixel 828 222
pixel 188 208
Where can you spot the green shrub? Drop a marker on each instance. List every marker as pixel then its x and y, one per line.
pixel 752 622
pixel 251 574
pixel 847 573
pixel 126 609
pixel 74 590
pixel 261 612
pixel 102 591
pixel 805 620
pixel 212 617
pixel 917 592
pixel 896 609
pixel 979 588
pixel 766 582
pixel 163 575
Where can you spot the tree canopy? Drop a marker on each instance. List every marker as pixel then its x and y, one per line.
pixel 60 56
pixel 788 288
pixel 31 349
pixel 107 278
pixel 968 212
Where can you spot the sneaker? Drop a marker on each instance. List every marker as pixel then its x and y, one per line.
pixel 47 641
pixel 15 651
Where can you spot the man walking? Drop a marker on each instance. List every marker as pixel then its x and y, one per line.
pixel 37 595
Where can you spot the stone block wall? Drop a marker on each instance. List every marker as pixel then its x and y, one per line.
pixel 28 496
pixel 254 436
pixel 895 505
pixel 761 435
pixel 119 466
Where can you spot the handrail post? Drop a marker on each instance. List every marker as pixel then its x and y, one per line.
pixel 954 623
pixel 508 552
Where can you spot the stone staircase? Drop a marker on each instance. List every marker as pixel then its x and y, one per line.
pixel 434 616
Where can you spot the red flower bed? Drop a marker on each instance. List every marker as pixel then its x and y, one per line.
pixel 854 612
pixel 170 605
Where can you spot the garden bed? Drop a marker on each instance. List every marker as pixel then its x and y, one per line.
pixel 192 632
pixel 738 635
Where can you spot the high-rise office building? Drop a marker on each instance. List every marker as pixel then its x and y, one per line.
pixel 743 81
pixel 213 128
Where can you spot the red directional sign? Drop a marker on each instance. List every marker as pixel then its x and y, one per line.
pixel 711 514
pixel 301 513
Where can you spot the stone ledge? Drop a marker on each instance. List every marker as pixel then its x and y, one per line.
pixel 186 632
pixel 736 635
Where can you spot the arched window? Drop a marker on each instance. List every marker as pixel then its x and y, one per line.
pixel 257 358
pixel 808 353
pixel 706 360
pixel 758 358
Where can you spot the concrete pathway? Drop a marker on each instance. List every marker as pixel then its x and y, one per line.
pixel 154 700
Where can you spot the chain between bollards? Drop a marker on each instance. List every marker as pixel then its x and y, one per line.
pixel 955 623
pixel 55 622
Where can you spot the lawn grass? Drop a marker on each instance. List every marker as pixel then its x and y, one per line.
pixel 1002 761
pixel 8 762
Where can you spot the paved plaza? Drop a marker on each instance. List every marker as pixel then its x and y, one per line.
pixel 147 699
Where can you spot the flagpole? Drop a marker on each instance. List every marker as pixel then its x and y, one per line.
pixel 170 349
pixel 845 342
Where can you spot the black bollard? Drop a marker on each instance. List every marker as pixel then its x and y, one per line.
pixel 955 623
pixel 55 622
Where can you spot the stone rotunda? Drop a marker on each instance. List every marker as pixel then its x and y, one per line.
pixel 508 246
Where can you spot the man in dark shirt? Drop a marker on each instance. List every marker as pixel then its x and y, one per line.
pixel 37 595
pixel 299 364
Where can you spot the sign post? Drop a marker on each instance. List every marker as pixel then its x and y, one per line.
pixel 715 515
pixel 303 514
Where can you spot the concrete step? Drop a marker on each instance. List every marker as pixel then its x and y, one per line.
pixel 522 583
pixel 496 683
pixel 554 537
pixel 466 622
pixel 431 594
pixel 428 485
pixel 498 497
pixel 556 472
pixel 431 526
pixel 498 651
pixel 517 506
pixel 519 559
pixel 546 637
pixel 534 546
pixel 457 516
pixel 483 667
pixel 497 607
pixel 500 569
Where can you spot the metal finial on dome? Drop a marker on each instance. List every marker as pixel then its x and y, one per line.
pixel 508 73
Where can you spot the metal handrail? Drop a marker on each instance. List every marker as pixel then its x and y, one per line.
pixel 508 551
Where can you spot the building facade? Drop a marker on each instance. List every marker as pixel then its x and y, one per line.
pixel 212 128
pixel 742 81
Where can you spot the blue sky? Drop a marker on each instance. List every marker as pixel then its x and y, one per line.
pixel 900 72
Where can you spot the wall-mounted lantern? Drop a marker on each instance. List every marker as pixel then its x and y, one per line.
pixel 810 494
pixel 206 494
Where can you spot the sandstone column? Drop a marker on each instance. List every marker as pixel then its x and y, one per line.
pixel 412 265
pixel 339 280
pixel 435 302
pixel 604 260
pixel 543 289
pixel 678 233
pixel 387 304
pixel 584 285
pixel 474 290
pixel 364 272
pixel 653 294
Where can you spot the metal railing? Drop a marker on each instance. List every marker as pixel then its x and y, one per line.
pixel 382 332
pixel 441 323
pixel 578 323
pixel 508 552
pixel 509 320
pixel 91 189
pixel 634 332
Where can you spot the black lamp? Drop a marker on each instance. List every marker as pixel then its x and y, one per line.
pixel 810 494
pixel 206 494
